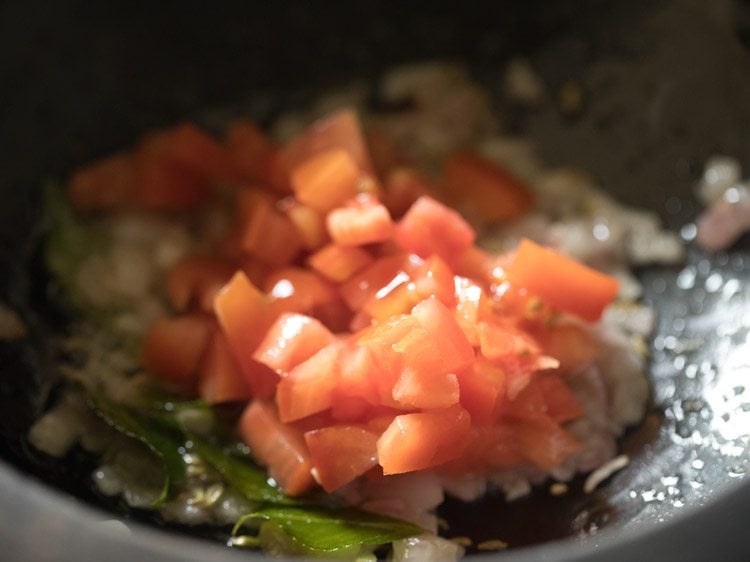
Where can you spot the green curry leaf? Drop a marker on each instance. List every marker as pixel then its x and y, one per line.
pixel 164 443
pixel 329 530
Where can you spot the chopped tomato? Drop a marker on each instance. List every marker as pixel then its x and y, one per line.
pixel 455 350
pixel 221 379
pixel 308 388
pixel 421 440
pixel 290 340
pixel 173 348
pixel 485 189
pixel 339 263
pixel 433 278
pixel 280 447
pixel 481 387
pixel 326 180
pixel 265 232
pixel 338 131
pixel 162 184
pixel 562 282
pixel 310 223
pixel 367 283
pixel 545 443
pixel 244 315
pixel 430 228
pixel 364 222
pixel 341 453
pixel 570 344
pixel 294 289
pixel 545 396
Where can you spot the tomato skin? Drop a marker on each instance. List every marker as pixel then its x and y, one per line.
pixel 365 285
pixel 421 440
pixel 309 223
pixel 264 232
pixel 173 349
pixel 456 351
pixel 308 388
pixel 244 315
pixel 290 340
pixel 221 379
pixel 326 180
pixel 280 447
pixel 340 130
pixel 339 263
pixel 294 289
pixel 364 222
pixel 562 282
pixel 341 453
pixel 429 227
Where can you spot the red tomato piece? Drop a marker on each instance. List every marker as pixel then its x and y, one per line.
pixel 340 130
pixel 485 189
pixel 434 278
pixel 426 380
pixel 429 227
pixel 310 224
pixel 244 316
pixel 470 307
pixel 173 348
pixel 266 233
pixel 364 222
pixel 500 340
pixel 294 289
pixel 396 298
pixel 341 453
pixel 339 263
pixel 545 443
pixel 570 344
pixel 196 279
pixel 481 387
pixel 290 340
pixel 545 396
pixel 326 180
pixel 368 282
pixel 456 352
pixel 562 282
pixel 221 379
pixel 278 446
pixel 308 388
pixel 422 440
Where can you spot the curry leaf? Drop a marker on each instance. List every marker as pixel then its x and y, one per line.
pixel 323 529
pixel 165 444
pixel 241 474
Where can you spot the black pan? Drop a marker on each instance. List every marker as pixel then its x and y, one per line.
pixel 664 85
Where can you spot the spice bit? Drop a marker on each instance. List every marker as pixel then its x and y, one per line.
pixel 442 524
pixel 604 472
pixel 462 541
pixel 494 544
pixel 558 489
